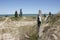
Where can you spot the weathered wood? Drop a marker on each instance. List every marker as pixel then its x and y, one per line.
pixel 38 21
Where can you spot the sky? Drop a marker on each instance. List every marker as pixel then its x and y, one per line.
pixel 29 6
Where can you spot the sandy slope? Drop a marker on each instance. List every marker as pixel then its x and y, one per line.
pixel 8 22
pixel 9 30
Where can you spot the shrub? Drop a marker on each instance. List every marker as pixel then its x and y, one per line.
pixel 44 15
pixel 49 13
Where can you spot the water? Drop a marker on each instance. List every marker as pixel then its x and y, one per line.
pixel 13 14
pixel 29 14
pixel 23 14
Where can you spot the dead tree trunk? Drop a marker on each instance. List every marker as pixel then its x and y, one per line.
pixel 38 22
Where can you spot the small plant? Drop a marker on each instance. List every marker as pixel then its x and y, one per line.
pixel 44 15
pixel 6 15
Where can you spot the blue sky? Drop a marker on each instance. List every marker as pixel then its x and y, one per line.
pixel 29 6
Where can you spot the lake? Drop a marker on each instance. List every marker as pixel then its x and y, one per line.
pixel 13 14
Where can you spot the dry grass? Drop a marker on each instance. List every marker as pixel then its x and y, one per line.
pixel 52 31
pixel 24 18
pixel 18 32
pixel 2 18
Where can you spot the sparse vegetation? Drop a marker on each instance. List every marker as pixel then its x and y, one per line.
pixel 2 18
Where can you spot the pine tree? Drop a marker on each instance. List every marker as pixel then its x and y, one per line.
pixel 20 13
pixel 16 14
